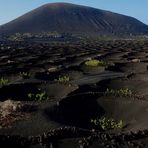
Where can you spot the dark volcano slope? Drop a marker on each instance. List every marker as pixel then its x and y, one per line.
pixel 75 19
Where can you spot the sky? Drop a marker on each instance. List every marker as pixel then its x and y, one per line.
pixel 11 9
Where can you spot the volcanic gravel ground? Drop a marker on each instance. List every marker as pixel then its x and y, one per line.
pixel 62 118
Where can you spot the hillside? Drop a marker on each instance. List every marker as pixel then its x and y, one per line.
pixel 74 19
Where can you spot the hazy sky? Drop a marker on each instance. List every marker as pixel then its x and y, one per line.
pixel 10 9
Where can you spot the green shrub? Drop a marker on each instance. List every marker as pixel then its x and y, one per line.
pixel 63 79
pixel 107 123
pixel 94 63
pixel 25 75
pixel 3 81
pixel 120 92
pixel 42 96
pixel 145 48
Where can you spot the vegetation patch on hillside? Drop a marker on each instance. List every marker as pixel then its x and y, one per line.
pixel 92 62
pixel 106 123
pixel 118 92
pixel 63 79
pixel 41 96
pixel 3 81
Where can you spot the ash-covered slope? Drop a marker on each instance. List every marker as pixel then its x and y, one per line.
pixel 75 19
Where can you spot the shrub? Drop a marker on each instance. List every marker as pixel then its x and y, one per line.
pixel 94 63
pixel 63 79
pixel 3 81
pixel 145 48
pixel 25 75
pixel 107 123
pixel 38 97
pixel 52 69
pixel 120 92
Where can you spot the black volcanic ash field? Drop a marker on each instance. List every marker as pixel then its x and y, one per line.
pixel 61 117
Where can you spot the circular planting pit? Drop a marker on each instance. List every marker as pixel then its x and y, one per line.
pixel 58 90
pixel 135 67
pixel 79 110
pixel 92 70
pixel 46 75
pixel 93 66
pixel 137 86
pixel 18 91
